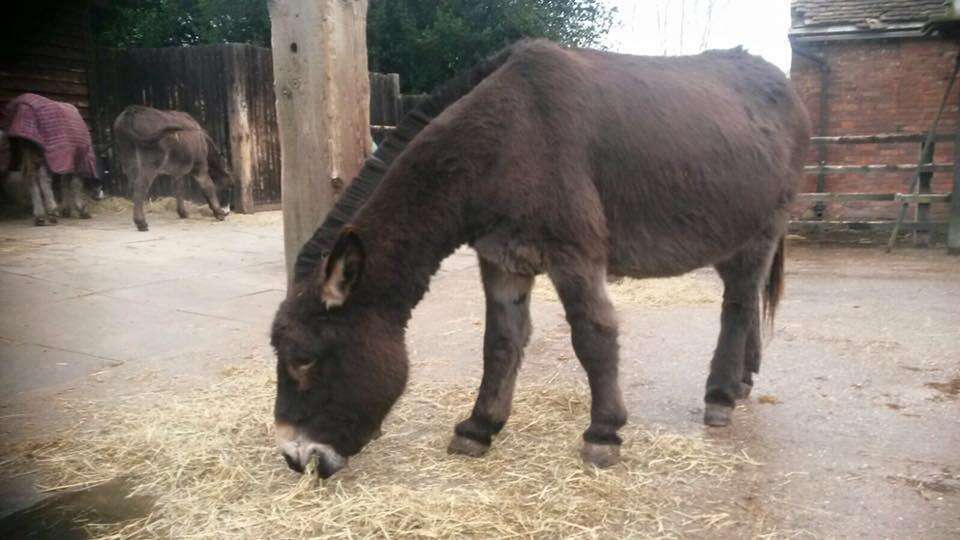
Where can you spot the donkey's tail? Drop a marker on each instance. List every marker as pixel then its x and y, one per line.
pixel 215 159
pixel 375 167
pixel 773 290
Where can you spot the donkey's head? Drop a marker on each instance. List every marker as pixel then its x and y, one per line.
pixel 340 365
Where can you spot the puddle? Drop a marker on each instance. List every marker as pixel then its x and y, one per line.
pixel 63 516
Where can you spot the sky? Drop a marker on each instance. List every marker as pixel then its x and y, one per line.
pixel 689 26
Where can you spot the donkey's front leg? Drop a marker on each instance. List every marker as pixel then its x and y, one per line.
pixel 593 329
pixel 507 332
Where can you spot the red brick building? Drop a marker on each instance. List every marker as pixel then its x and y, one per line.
pixel 880 74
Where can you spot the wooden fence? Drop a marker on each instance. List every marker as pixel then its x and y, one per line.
pixel 920 198
pixel 227 88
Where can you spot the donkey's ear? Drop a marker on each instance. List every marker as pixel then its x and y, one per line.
pixel 344 267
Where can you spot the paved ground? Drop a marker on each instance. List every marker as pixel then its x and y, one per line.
pixel 854 417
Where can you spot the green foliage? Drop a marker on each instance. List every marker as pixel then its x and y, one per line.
pixel 165 23
pixel 425 41
pixel 428 41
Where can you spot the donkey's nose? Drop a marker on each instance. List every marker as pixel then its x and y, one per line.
pixel 297 450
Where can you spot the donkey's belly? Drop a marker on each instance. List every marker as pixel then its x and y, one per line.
pixel 663 250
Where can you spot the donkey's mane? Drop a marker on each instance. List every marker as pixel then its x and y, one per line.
pixel 376 166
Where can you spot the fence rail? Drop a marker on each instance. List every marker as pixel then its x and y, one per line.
pixel 879 168
pixel 881 138
pixel 921 198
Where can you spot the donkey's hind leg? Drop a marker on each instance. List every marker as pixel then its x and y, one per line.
pixel 593 327
pixel 210 192
pixel 737 355
pixel 141 190
pixel 73 197
pixel 36 200
pixel 179 191
pixel 507 333
pixel 45 179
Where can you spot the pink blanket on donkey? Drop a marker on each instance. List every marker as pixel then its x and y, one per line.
pixel 57 128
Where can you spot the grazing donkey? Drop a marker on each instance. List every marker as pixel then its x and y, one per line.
pixel 578 164
pixel 45 138
pixel 152 142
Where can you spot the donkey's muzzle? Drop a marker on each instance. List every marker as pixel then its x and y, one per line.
pixel 298 451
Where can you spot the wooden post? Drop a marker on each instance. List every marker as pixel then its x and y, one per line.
pixel 385 109
pixel 921 235
pixel 242 143
pixel 323 107
pixel 953 228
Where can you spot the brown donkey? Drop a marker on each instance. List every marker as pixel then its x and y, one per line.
pixel 577 164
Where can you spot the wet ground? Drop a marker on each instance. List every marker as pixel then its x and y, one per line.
pixel 853 421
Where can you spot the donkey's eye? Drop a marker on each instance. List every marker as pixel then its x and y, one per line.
pixel 302 362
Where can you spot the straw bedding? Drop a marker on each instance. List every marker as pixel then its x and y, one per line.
pixel 210 460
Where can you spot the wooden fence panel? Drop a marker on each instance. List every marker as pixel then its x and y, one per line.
pixel 385 106
pixel 228 89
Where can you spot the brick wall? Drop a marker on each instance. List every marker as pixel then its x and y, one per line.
pixel 877 86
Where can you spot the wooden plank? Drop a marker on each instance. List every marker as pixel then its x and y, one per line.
pixel 46 74
pixel 924 198
pixel 921 236
pixel 41 86
pixel 930 198
pixel 879 168
pixel 853 225
pixel 385 106
pixel 843 197
pixel 880 138
pixel 953 231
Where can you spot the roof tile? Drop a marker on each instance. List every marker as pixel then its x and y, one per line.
pixel 871 13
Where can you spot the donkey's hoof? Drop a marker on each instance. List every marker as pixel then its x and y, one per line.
pixel 467 447
pixel 220 215
pixel 600 455
pixel 142 226
pixel 744 391
pixel 52 219
pixel 183 214
pixel 717 415
pixel 39 221
pixel 65 212
pixel 84 214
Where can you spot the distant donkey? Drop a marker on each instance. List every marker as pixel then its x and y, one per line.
pixel 573 163
pixel 151 142
pixel 42 138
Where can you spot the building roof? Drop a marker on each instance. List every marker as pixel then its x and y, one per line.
pixel 867 13
pixel 819 20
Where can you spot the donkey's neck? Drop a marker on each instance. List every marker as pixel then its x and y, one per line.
pixel 414 220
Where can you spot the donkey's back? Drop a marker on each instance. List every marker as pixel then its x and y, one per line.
pixel 671 163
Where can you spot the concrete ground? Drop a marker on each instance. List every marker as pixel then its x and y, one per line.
pixel 853 422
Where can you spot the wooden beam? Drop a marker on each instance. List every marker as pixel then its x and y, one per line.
pixel 880 138
pixel 924 198
pixel 853 225
pixel 881 168
pixel 843 197
pixel 930 198
pixel 953 230
pixel 323 107
pixel 921 236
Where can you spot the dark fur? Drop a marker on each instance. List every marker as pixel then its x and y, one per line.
pixel 151 143
pixel 574 163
